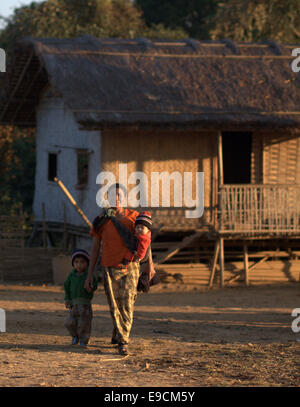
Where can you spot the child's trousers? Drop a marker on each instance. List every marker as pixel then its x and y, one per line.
pixel 79 322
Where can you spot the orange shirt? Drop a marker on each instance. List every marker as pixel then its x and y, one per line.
pixel 113 247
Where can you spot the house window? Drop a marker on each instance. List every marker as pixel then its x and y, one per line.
pixel 82 169
pixel 52 166
pixel 237 147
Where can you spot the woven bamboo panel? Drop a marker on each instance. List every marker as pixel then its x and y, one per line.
pixel 298 162
pixel 281 156
pixel 155 151
pixel 269 272
pixel 260 208
pixel 256 159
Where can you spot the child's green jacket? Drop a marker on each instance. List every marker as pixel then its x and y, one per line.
pixel 74 288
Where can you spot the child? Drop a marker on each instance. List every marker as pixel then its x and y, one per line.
pixel 78 300
pixel 143 225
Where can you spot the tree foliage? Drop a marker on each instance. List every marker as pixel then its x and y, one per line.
pixel 240 20
pixel 258 20
pixel 17 168
pixel 71 18
pixel 58 19
pixel 192 16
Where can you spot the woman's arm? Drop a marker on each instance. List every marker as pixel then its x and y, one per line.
pixel 88 285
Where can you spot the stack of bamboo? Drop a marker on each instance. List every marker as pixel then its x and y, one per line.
pixel 198 274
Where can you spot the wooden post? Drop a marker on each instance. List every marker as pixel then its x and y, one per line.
pixel 221 262
pixel 214 264
pixel 65 228
pixel 44 226
pixel 22 237
pixel 220 159
pixel 246 265
pixel 215 191
pixel 221 177
pixel 22 228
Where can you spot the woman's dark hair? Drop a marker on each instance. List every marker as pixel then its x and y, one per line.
pixel 117 186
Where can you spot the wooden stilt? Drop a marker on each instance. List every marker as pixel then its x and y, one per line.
pixel 22 221
pixel 50 241
pixel 220 159
pixel 214 264
pixel 246 265
pixel 33 234
pixel 250 268
pixel 221 262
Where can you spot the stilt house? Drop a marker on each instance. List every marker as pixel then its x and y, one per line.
pixel 230 110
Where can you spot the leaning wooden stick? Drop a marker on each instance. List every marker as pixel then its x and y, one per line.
pixel 73 202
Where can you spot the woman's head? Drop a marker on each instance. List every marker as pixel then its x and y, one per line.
pixel 116 195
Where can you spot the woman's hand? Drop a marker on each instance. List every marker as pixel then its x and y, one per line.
pixel 88 284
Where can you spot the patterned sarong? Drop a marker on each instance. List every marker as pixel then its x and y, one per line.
pixel 121 292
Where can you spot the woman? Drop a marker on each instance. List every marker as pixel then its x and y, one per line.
pixel 120 289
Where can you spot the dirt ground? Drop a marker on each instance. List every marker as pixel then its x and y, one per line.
pixel 180 337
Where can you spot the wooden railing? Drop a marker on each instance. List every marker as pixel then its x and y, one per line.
pixel 259 209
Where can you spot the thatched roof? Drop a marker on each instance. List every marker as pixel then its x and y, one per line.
pixel 109 82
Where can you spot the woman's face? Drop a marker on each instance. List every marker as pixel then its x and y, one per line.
pixel 119 197
pixel 115 197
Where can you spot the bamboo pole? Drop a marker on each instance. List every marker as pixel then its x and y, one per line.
pixel 73 202
pixel 221 181
pixel 220 167
pixel 221 262
pixel 65 228
pixel 220 157
pixel 214 264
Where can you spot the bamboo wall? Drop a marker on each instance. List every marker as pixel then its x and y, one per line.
pixel 157 150
pixel 275 159
pixel 281 158
pixel 256 158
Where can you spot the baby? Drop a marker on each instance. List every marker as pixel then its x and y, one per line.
pixel 143 225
